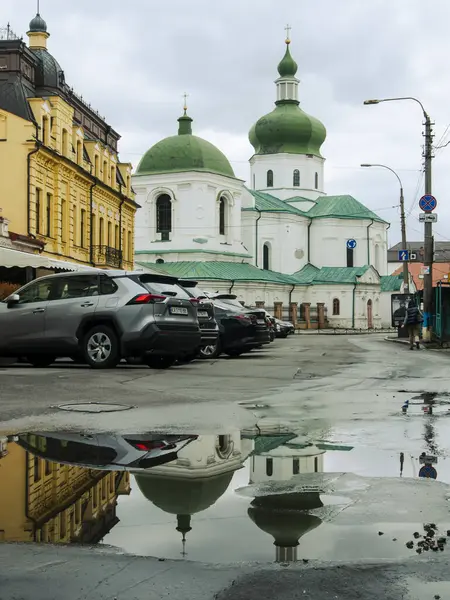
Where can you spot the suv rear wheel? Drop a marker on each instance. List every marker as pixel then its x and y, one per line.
pixel 211 351
pixel 101 347
pixel 158 362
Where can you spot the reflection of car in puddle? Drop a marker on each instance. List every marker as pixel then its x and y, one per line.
pixel 105 451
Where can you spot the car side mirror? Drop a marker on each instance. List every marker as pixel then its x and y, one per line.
pixel 12 300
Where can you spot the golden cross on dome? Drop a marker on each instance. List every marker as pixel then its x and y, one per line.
pixel 288 31
pixel 185 96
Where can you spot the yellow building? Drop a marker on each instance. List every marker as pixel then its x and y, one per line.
pixel 43 501
pixel 61 181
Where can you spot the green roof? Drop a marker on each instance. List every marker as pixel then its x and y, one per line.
pixel 341 207
pixel 266 443
pixel 300 199
pixel 267 203
pixel 184 152
pixel 391 283
pixel 311 275
pixel 219 270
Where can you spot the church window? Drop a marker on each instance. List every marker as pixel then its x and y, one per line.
pixel 336 307
pixel 164 214
pixel 316 464
pixel 350 258
pixel 316 181
pixel 222 216
pixel 266 256
pixel 270 178
pixel 159 261
pixel 269 467
pixel 296 466
pixel 296 178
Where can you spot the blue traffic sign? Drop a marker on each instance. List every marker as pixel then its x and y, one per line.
pixel 403 255
pixel 428 203
pixel 351 244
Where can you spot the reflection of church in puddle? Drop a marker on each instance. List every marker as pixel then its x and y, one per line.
pixel 196 479
pixel 282 511
pixel 44 501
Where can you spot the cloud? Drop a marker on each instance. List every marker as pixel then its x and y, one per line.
pixel 133 62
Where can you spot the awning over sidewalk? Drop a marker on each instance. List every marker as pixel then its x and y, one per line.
pixel 14 258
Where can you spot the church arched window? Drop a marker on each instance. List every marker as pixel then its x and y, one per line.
pixel 316 181
pixel 270 178
pixel 266 256
pixel 164 215
pixel 269 467
pixel 296 178
pixel 222 216
pixel 336 307
pixel 159 261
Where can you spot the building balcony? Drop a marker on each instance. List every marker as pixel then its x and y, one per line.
pixel 106 256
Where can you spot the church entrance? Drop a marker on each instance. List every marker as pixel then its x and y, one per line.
pixel 369 314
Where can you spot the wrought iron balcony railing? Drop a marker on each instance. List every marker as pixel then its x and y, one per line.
pixel 106 256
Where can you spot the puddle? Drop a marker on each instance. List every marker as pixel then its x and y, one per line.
pixel 220 498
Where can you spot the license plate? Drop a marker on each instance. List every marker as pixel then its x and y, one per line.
pixel 202 313
pixel 260 321
pixel 178 310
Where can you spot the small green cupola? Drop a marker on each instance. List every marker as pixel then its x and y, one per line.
pixel 287 129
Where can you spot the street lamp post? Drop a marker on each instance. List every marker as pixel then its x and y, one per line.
pixel 402 223
pixel 428 229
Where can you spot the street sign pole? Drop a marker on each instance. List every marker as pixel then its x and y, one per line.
pixel 428 231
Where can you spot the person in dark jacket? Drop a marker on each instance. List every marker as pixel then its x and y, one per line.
pixel 413 321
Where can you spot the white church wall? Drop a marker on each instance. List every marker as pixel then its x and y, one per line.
pixel 286 236
pixel 283 166
pixel 281 464
pixel 195 201
pixel 329 243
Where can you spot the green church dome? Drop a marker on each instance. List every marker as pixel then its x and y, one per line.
pixel 184 152
pixel 287 129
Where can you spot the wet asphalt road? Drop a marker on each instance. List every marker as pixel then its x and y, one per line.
pixel 342 389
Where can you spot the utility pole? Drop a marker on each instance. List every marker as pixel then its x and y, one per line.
pixel 428 249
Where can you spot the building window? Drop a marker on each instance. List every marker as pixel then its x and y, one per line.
pixel 36 468
pixel 65 143
pixel 163 214
pixel 109 242
pixel 116 237
pixel 316 464
pixel 74 227
pixel 124 241
pixel 270 178
pixel 222 216
pixel 336 307
pixel 269 467
pixel 130 247
pixel 296 178
pixel 48 215
pixel 62 524
pixel 45 131
pixel 316 181
pixel 83 228
pixel 128 183
pixel 113 177
pixel 296 466
pixel 48 467
pixel 38 210
pixel 266 256
pixel 93 230
pixel 96 166
pixel 63 220
pixel 79 152
pixel 101 232
pixel 350 257
pixel 105 171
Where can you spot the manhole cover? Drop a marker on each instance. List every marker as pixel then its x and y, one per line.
pixel 94 407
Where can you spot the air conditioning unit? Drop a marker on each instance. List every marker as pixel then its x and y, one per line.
pixel 413 256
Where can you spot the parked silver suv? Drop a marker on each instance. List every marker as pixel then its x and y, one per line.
pixel 99 317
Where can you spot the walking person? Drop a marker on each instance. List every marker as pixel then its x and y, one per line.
pixel 413 321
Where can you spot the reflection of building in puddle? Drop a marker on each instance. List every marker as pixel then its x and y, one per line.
pixel 45 501
pixel 285 515
pixel 197 479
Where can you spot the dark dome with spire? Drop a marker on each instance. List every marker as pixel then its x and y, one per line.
pixel 38 24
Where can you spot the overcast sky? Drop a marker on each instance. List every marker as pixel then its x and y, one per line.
pixel 133 61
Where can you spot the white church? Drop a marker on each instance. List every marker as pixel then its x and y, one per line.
pixel 280 243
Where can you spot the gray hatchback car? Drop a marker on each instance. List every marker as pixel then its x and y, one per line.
pixel 100 317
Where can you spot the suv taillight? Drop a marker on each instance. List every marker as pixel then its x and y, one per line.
pixel 146 299
pixel 194 300
pixel 244 318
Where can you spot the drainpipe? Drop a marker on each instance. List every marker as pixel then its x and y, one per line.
pixel 38 144
pixel 353 305
pixel 256 236
pixel 309 241
pixel 91 233
pixel 290 295
pixel 368 242
pixel 232 286
pixel 120 226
